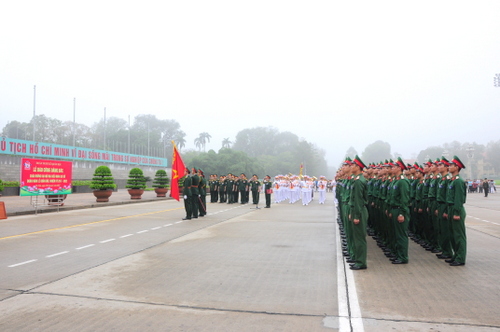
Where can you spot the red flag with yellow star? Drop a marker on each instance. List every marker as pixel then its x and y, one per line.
pixel 178 171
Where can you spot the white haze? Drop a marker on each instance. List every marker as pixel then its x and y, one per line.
pixel 338 74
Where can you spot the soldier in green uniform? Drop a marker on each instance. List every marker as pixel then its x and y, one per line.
pixel 255 188
pixel 268 187
pixel 195 192
pixel 229 188
pixel 358 214
pixel 455 197
pixel 419 193
pixel 188 198
pixel 214 188
pixel 243 188
pixel 222 189
pixel 441 210
pixel 203 194
pixel 427 230
pixel 433 184
pixel 400 212
pixel 346 191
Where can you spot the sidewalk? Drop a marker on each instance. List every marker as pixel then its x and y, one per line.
pixel 21 205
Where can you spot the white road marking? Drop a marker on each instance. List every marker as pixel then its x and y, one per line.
pixel 108 240
pixel 168 225
pixel 59 253
pixel 490 222
pixel 87 246
pixel 347 295
pixel 124 236
pixel 178 222
pixel 144 231
pixel 19 264
pixel 155 228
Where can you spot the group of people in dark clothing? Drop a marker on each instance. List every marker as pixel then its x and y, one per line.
pixel 225 189
pixel 393 200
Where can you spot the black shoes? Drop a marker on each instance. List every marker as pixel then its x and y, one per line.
pixel 186 218
pixel 397 261
pixel 449 260
pixel 355 267
pixel 441 256
pixel 456 264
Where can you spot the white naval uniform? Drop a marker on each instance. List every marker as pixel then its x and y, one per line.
pixel 322 191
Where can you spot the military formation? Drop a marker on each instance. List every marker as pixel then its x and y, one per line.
pixel 393 201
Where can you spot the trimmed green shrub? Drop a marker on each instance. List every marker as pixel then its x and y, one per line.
pixel 161 179
pixel 9 184
pixel 136 179
pixel 103 179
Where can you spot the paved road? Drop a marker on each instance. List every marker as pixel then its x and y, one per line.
pixel 134 267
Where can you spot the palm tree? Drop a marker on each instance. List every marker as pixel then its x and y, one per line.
pixel 226 143
pixel 181 142
pixel 201 141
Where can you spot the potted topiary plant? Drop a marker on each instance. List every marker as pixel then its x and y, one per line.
pixel 102 183
pixel 136 183
pixel 160 183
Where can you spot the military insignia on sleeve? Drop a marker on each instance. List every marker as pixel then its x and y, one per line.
pixel 357 178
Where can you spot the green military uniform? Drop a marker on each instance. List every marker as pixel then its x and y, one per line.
pixel 188 198
pixel 195 182
pixel 229 190
pixel 214 190
pixel 268 186
pixel 222 190
pixel 203 196
pixel 243 189
pixel 254 187
pixel 358 199
pixel 400 209
pixel 441 211
pixel 456 197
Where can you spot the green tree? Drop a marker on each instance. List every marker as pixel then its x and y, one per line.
pixel 377 151
pixel 202 140
pixel 226 143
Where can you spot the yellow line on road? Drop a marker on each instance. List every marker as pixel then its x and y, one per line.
pixel 90 223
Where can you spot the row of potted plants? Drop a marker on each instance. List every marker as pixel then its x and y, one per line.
pixel 103 184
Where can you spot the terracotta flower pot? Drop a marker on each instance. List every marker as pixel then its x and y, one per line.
pixel 57 200
pixel 102 195
pixel 135 193
pixel 161 192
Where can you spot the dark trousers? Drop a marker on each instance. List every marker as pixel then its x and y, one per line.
pixel 268 200
pixel 222 195
pixel 202 205
pixel 196 206
pixel 188 206
pixel 255 197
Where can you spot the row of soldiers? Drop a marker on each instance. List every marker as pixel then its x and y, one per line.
pixel 393 200
pixel 231 188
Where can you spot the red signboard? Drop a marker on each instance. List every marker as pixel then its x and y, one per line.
pixel 45 177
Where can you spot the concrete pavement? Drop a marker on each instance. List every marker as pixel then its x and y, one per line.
pixel 21 205
pixel 270 270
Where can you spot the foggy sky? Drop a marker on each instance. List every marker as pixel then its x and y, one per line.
pixel 414 74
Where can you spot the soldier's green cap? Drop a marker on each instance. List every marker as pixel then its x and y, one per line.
pixel 458 162
pixel 401 164
pixel 444 161
pixel 359 162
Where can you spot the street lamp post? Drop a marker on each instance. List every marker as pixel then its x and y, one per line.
pixel 470 156
pixel 74 122
pixel 34 112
